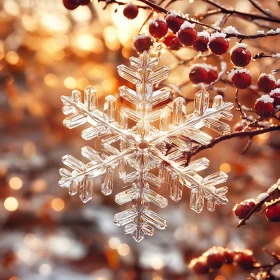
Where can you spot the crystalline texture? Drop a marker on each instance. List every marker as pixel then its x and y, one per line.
pixel 144 147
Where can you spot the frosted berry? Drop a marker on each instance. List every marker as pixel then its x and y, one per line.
pixel 187 34
pixel 242 210
pixel 240 55
pixel 240 125
pixel 130 11
pixel 71 4
pixel 244 260
pixel 173 21
pixel 158 28
pixel 215 259
pixel 201 42
pixel 241 78
pixel 229 256
pixel 266 83
pixel 275 95
pixel 212 76
pixel 172 42
pixel 273 213
pixel 218 45
pixel 142 43
pixel 198 74
pixel 264 106
pixel 199 266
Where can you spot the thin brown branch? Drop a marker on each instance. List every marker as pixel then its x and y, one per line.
pixel 228 35
pixel 250 133
pixel 258 6
pixel 238 104
pixel 263 55
pixel 247 146
pixel 242 14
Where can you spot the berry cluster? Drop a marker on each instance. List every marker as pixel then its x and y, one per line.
pixel 203 73
pixel 215 257
pixel 267 104
pixel 73 4
pixel 242 209
pixel 246 208
pixel 176 32
pixel 240 56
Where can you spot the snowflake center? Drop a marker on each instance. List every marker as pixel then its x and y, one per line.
pixel 143 145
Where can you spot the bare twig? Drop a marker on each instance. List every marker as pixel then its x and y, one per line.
pixel 250 133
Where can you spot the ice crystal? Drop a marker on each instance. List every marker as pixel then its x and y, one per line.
pixel 144 147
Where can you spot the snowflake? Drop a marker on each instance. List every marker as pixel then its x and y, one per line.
pixel 144 147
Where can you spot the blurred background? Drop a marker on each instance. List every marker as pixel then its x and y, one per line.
pixel 47 51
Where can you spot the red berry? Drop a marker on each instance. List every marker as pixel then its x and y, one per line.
pixel 198 74
pixel 158 28
pixel 218 44
pixel 199 266
pixel 130 11
pixel 264 106
pixel 201 42
pixel 273 213
pixel 173 21
pixel 266 83
pixel 240 55
pixel 215 259
pixel 172 42
pixel 275 94
pixel 229 256
pixel 142 43
pixel 212 76
pixel 241 78
pixel 187 34
pixel 244 260
pixel 71 4
pixel 241 210
pixel 251 203
pixel 240 125
pixel 83 2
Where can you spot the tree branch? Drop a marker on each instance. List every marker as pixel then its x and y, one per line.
pixel 234 135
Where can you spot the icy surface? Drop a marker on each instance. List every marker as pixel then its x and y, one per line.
pixel 144 147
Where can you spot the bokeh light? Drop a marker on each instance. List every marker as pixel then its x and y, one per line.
pixel 15 183
pixel 58 204
pixel 11 204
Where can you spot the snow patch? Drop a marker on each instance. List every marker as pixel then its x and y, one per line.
pixel 270 76
pixel 187 24
pixel 276 55
pixel 238 71
pixel 262 197
pixel 266 99
pixel 274 187
pixel 277 91
pixel 238 45
pixel 218 35
pixel 272 31
pixel 204 34
pixel 231 30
